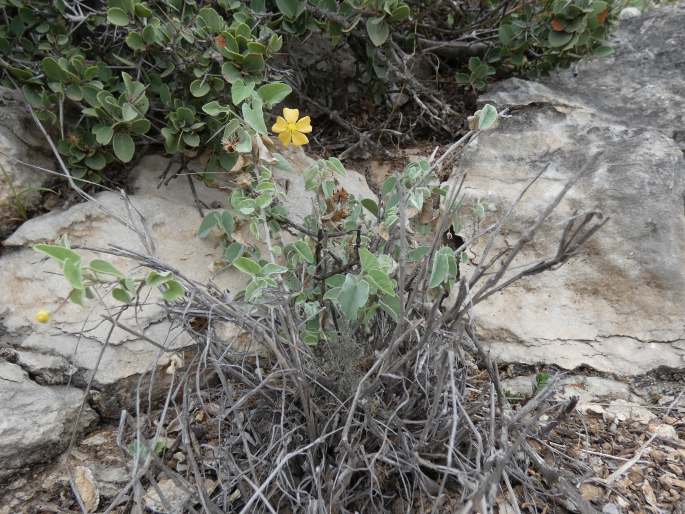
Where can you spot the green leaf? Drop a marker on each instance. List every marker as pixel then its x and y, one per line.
pixel 282 162
pixel 263 201
pixel 332 294
pixel 247 265
pixel 303 250
pixel 103 134
pixel 463 78
pixel 391 305
pixel 232 252
pixel 214 108
pixel 244 141
pixel 336 280
pixel 400 13
pixel 211 18
pixel 353 295
pixel 121 295
pixel 558 39
pixel 154 279
pixel 274 93
pixel 123 146
pixel 96 162
pixel 273 269
pixel 378 30
pixel 128 112
pixel 254 117
pixel 74 92
pixel 389 185
pixel 368 260
pixel 128 283
pixel 57 252
pixel 487 117
pixel 603 51
pixel 172 290
pixel 117 16
pixel 442 265
pixel 226 223
pixel 142 10
pixel 371 206
pixel 140 126
pixel 441 269
pixel 240 91
pixel 191 139
pixel 291 8
pixel 254 288
pixel 210 221
pixel 77 296
pixel 382 281
pixel 73 273
pixel 337 166
pixel 229 72
pixel 135 41
pixel 199 88
pixel 328 186
pixel 101 266
pixel 416 254
pixel 150 35
pixel 52 70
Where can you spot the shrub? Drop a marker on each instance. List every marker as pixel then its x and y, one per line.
pixel 199 77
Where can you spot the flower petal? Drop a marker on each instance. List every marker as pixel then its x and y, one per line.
pixel 299 139
pixel 291 115
pixel 280 126
pixel 304 125
pixel 285 137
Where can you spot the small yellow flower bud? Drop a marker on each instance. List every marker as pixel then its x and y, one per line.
pixel 43 316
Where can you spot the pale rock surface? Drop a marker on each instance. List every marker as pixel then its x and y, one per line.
pixel 87 488
pixel 169 499
pixel 623 410
pixel 21 147
pixel 665 431
pixel 619 306
pixel 588 389
pixel 35 421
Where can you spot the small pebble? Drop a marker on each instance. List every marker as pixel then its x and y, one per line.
pixel 629 12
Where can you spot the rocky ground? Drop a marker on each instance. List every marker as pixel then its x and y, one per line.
pixel 611 321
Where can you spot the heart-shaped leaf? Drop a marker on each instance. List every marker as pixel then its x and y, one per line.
pixel 117 16
pixel 378 30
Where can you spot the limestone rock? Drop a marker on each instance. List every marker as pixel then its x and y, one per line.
pixel 618 306
pixel 21 145
pixel 169 499
pixel 589 390
pixel 35 421
pixel 87 488
pixel 665 431
pixel 623 410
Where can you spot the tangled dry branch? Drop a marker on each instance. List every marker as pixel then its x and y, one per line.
pixel 409 417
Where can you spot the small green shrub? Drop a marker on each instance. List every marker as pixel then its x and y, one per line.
pixel 541 381
pixel 539 36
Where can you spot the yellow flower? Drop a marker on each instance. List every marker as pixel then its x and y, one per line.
pixel 42 316
pixel 291 128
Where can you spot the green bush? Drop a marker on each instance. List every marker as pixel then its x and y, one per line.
pixel 192 76
pixel 540 36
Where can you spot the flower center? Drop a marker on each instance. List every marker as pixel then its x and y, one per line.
pixel 291 127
